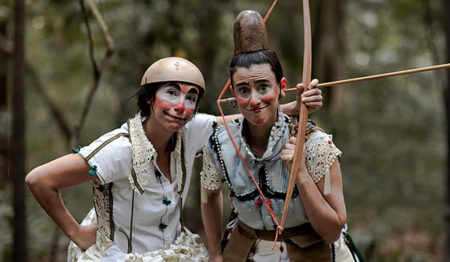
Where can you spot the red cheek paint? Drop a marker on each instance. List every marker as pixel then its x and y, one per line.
pixel 269 98
pixel 188 113
pixel 163 104
pixel 241 102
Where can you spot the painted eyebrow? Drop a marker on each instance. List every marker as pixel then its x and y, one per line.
pixel 174 84
pixel 256 82
pixel 193 90
pixel 242 84
pixel 262 81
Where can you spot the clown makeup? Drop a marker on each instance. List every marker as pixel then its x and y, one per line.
pixel 262 89
pixel 255 86
pixel 182 97
pixel 257 93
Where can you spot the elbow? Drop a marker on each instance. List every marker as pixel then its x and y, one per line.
pixel 331 237
pixel 34 179
pixel 335 231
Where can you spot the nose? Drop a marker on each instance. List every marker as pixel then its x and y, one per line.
pixel 254 100
pixel 180 107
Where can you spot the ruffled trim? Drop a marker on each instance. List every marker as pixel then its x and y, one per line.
pixel 276 133
pixel 143 154
pixel 320 156
pixel 187 247
pixel 209 178
pixel 178 162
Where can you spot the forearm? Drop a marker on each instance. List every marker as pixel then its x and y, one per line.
pixel 50 200
pixel 46 181
pixel 212 221
pixel 323 218
pixel 290 109
pixel 228 118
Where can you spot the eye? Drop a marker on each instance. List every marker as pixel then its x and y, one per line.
pixel 263 88
pixel 172 91
pixel 192 98
pixel 243 91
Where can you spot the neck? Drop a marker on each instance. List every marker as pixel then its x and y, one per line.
pixel 258 137
pixel 159 137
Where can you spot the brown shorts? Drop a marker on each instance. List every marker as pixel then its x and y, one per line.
pixel 302 242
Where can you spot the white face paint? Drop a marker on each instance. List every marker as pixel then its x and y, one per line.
pixel 178 96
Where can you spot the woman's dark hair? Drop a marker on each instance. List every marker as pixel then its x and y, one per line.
pixel 258 57
pixel 148 93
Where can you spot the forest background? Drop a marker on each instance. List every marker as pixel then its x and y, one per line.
pixel 392 131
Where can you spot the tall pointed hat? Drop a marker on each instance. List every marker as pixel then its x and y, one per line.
pixel 250 33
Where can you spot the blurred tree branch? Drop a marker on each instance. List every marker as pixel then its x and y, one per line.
pixel 7 46
pixel 97 71
pixel 56 112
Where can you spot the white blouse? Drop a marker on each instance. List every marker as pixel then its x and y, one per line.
pixel 145 204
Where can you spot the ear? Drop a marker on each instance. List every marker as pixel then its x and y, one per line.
pixel 283 86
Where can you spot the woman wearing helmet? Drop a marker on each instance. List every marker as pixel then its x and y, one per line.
pixel 140 173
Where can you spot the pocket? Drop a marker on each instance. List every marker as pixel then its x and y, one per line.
pixel 238 247
pixel 306 240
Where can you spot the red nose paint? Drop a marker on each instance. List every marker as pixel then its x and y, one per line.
pixel 180 106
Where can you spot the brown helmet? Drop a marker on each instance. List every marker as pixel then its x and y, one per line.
pixel 173 69
pixel 249 33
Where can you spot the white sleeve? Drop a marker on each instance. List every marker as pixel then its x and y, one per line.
pixel 209 177
pixel 198 130
pixel 110 156
pixel 320 156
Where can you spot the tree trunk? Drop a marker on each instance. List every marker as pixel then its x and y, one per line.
pixel 447 113
pixel 18 133
pixel 331 52
pixel 3 111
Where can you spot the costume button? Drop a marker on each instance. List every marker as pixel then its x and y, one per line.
pixel 166 201
pixel 162 226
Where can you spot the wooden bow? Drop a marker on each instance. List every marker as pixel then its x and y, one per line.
pixel 303 115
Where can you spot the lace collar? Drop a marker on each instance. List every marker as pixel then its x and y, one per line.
pixel 275 134
pixel 144 156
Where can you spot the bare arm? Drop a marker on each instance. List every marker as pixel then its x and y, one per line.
pixel 312 97
pixel 45 182
pixel 212 221
pixel 326 213
pixel 228 118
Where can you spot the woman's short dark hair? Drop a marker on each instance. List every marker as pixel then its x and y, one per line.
pixel 258 57
pixel 148 93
